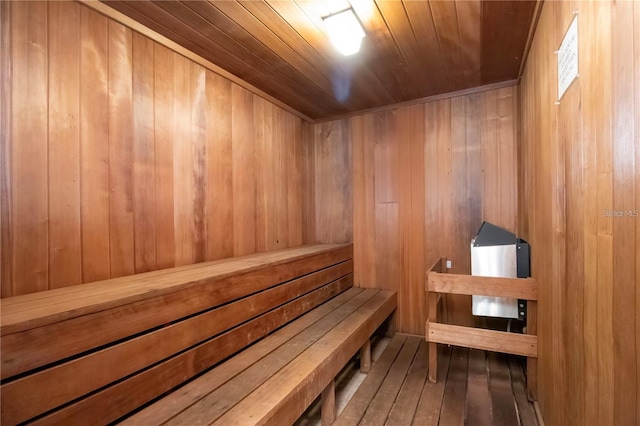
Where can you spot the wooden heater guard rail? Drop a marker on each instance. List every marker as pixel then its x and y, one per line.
pixel 438 282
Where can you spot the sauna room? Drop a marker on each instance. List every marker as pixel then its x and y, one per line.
pixel 316 212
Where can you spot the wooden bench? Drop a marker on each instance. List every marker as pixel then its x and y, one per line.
pixel 94 353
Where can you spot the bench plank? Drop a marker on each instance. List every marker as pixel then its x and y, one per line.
pixel 284 397
pixel 219 401
pixel 113 402
pixel 18 312
pixel 174 403
pixel 63 333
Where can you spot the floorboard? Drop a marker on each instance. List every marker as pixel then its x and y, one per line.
pixel 502 400
pixel 453 403
pixel 478 410
pixel 405 406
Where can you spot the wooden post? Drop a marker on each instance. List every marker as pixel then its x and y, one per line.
pixel 433 299
pixel 391 325
pixel 365 357
pixel 328 399
pixel 532 363
pixel 433 347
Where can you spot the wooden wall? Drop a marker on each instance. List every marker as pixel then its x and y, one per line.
pixel 578 160
pixel 424 178
pixel 121 156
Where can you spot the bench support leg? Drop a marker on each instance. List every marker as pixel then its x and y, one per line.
pixel 365 357
pixel 329 404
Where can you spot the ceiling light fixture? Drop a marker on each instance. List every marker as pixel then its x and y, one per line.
pixel 345 31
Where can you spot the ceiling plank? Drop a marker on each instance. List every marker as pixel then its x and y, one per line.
pixel 505 26
pixel 469 26
pixel 421 20
pixel 398 23
pixel 445 18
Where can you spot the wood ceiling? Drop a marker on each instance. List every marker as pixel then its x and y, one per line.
pixel 413 49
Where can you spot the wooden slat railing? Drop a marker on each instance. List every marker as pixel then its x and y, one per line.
pixel 438 282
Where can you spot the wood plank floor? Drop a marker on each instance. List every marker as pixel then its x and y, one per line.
pixel 474 388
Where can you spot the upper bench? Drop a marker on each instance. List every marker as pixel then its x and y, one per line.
pixel 109 347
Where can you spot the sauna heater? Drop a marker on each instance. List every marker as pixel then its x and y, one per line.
pixel 496 252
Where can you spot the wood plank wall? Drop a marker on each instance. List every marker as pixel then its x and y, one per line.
pixel 423 179
pixel 121 156
pixel 577 160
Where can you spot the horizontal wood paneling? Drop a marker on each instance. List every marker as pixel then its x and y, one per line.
pixel 424 177
pixel 123 156
pixel 578 160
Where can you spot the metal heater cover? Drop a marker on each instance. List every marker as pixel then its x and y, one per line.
pixel 494 261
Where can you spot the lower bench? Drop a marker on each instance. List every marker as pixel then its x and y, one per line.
pixel 95 353
pixel 275 380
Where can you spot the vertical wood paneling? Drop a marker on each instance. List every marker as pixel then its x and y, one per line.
pixel 164 94
pixel 459 228
pixel 219 219
pixel 244 185
pixel 364 210
pixel 183 152
pixel 264 144
pixel 589 272
pixel 626 174
pixel 333 182
pixel 387 246
pixel 28 147
pixel 424 178
pixel 309 184
pixel 386 157
pixel 65 262
pixel 144 170
pixel 198 166
pixel 579 160
pixel 604 338
pixel 279 166
pixel 141 158
pixel 294 171
pixel 636 79
pixel 5 154
pixel 94 161
pixel 411 293
pixel 120 151
pixel 475 197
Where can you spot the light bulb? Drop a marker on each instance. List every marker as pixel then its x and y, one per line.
pixel 345 32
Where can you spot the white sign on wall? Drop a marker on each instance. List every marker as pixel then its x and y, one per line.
pixel 568 58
